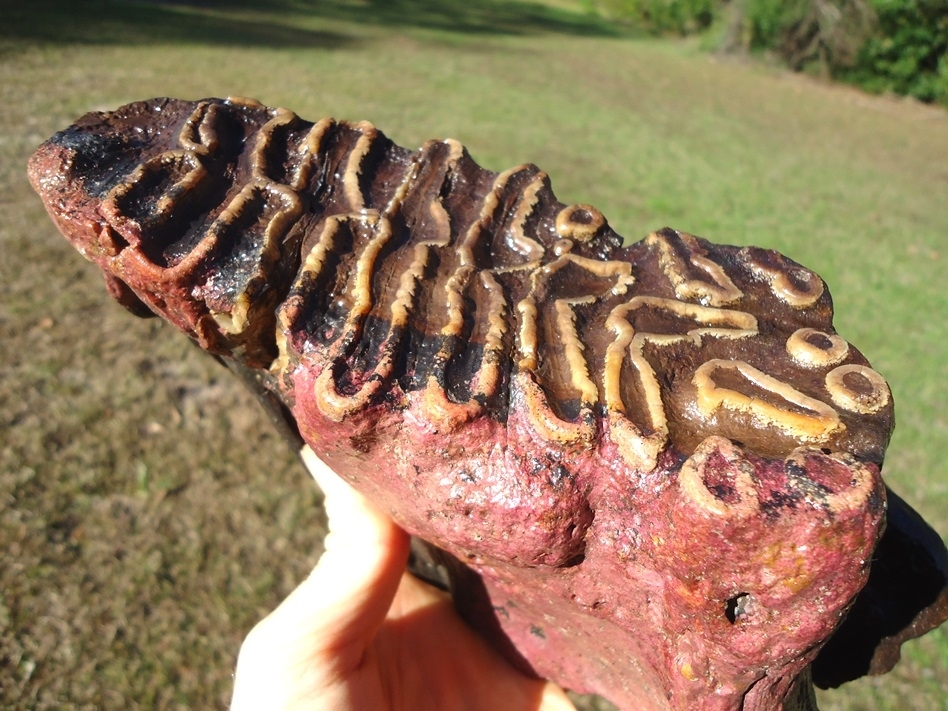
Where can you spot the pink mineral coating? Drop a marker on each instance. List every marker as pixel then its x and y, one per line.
pixel 667 598
pixel 707 581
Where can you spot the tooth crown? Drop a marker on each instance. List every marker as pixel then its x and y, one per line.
pixel 670 431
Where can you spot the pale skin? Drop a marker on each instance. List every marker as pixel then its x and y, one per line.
pixel 360 633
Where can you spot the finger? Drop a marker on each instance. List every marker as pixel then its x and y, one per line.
pixel 553 698
pixel 442 636
pixel 365 555
pixel 320 633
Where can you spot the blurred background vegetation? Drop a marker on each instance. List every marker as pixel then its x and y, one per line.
pixel 149 515
pixel 879 45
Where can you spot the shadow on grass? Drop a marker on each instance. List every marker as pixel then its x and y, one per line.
pixel 276 23
pixel 486 17
pixel 139 22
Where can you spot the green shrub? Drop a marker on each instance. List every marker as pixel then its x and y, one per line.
pixel 879 45
pixel 826 34
pixel 764 20
pixel 681 17
pixel 908 54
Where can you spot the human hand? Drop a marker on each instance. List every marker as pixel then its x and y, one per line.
pixel 361 634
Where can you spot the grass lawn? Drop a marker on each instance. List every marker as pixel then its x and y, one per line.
pixel 148 514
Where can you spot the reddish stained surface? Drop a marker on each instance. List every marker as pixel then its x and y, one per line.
pixel 647 589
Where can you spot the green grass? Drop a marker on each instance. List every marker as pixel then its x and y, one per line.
pixel 147 513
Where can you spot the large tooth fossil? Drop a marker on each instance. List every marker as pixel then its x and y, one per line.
pixel 653 470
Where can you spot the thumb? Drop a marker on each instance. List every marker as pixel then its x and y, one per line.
pixel 359 573
pixel 319 634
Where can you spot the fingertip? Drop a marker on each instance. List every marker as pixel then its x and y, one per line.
pixel 353 519
pixel 554 698
pixel 346 596
pixel 325 477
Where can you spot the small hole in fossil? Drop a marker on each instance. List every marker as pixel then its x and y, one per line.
pixel 736 607
pixel 577 559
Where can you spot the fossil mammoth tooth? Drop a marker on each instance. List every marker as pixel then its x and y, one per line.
pixel 656 466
